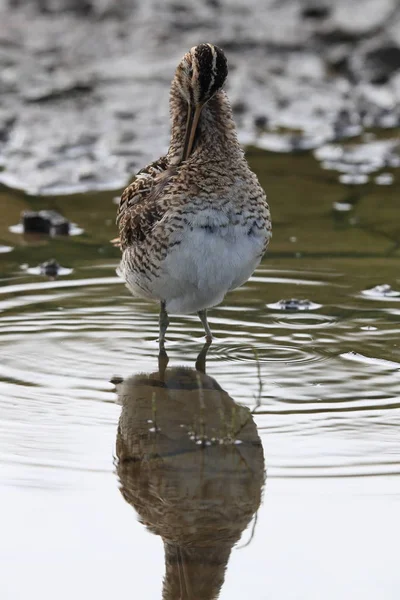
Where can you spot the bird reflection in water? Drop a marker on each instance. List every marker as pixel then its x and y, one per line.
pixel 191 463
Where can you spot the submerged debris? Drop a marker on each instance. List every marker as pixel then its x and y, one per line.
pixel 51 268
pixel 383 290
pixel 293 304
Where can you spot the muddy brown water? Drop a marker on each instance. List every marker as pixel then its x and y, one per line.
pixel 290 441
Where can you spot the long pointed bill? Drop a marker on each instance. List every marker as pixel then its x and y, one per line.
pixel 191 126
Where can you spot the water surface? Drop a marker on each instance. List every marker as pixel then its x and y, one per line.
pixel 321 384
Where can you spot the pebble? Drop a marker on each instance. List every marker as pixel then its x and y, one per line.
pixel 49 222
pixel 5 249
pixel 50 268
pixel 384 179
pixel 342 206
pixel 353 178
pixel 383 290
pixel 293 305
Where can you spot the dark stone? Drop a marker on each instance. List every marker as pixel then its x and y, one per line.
pixel 33 222
pixel 337 60
pixel 294 304
pixel 125 115
pixel 283 102
pixel 380 79
pixel 6 126
pixel 239 107
pixel 50 268
pixel 59 224
pixel 344 120
pixel 86 139
pixel 315 11
pixel 261 121
pixel 49 94
pixel 46 164
pixel 337 35
pixel 381 63
pixel 179 8
pixel 126 137
pixel 45 221
pixel 82 8
pixel 60 227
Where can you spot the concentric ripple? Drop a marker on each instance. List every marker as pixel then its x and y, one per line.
pixel 323 384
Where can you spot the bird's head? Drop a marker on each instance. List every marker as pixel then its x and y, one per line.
pixel 200 74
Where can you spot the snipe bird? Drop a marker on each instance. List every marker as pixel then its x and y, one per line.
pixel 194 224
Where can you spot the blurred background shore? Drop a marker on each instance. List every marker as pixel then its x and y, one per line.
pixel 84 83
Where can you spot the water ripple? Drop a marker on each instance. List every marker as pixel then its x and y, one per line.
pixel 323 385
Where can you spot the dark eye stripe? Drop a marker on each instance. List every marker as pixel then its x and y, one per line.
pixel 204 60
pixel 212 69
pixel 220 73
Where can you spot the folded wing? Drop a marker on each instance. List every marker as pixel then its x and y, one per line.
pixel 138 208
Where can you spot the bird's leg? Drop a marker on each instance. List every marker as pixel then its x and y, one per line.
pixel 203 318
pixel 162 363
pixel 164 322
pixel 201 359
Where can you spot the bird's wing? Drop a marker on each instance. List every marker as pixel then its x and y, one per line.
pixel 138 210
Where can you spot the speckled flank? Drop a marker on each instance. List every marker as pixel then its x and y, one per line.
pixel 192 230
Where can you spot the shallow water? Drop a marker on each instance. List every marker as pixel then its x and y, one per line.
pixel 323 385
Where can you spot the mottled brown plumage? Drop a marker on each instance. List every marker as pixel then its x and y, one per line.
pixel 181 469
pixel 137 208
pixel 194 224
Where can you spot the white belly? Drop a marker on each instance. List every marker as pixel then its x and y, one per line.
pixel 205 266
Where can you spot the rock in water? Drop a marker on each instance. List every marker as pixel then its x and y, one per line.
pixel 50 268
pixel 45 221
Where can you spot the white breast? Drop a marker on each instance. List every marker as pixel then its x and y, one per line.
pixel 214 257
pixel 215 253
